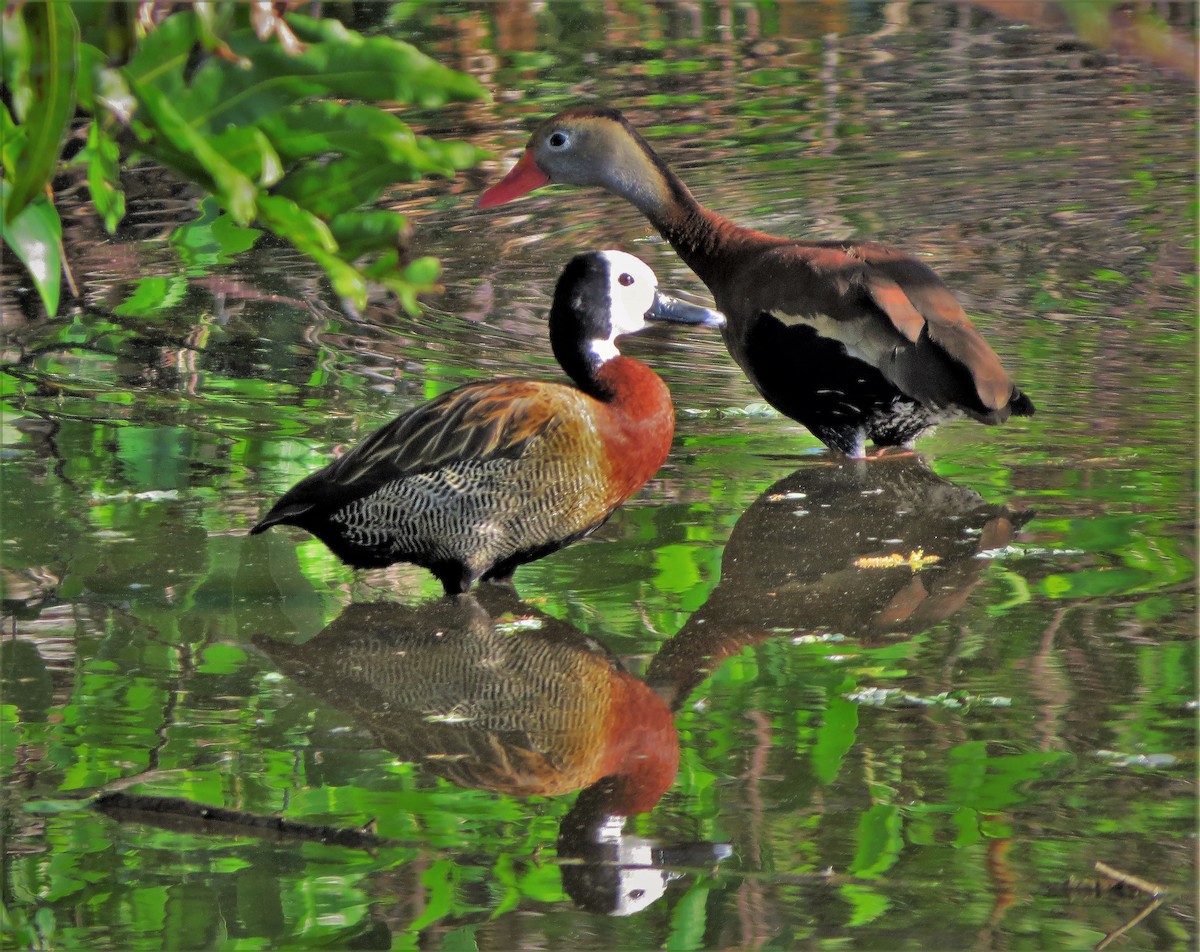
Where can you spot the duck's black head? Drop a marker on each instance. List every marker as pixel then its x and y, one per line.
pixel 602 295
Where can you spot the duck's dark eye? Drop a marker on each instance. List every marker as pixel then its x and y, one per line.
pixel 557 140
pixel 625 280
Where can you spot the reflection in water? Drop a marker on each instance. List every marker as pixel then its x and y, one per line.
pixel 851 548
pixel 490 694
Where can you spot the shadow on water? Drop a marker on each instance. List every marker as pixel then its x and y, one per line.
pixel 491 694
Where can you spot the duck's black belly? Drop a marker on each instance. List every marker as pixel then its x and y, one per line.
pixel 841 399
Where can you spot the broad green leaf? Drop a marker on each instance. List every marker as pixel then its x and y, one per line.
pixel 438 881
pixel 35 236
pixel 868 905
pixel 689 919
pixel 91 65
pixel 543 883
pixel 966 822
pixel 347 281
pixel 381 68
pixel 162 56
pixel 423 271
pixel 53 36
pixel 16 56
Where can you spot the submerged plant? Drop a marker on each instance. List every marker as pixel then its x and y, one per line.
pixel 272 116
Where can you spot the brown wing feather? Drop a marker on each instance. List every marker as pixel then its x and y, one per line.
pixel 479 421
pixel 913 298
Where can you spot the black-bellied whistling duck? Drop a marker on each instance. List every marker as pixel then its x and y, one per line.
pixel 853 339
pixel 493 475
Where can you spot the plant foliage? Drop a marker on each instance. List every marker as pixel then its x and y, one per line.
pixel 272 117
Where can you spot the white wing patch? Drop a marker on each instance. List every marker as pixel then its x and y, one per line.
pixel 853 335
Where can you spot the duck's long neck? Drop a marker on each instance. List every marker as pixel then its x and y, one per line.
pixel 697 234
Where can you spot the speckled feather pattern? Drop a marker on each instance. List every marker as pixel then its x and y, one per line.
pixel 483 512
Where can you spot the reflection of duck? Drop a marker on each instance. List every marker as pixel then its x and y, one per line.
pixel 853 339
pixel 850 549
pixel 493 475
pixel 515 702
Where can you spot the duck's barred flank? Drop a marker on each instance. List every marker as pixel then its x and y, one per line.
pixel 467 512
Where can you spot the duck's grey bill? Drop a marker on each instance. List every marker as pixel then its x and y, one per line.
pixel 667 308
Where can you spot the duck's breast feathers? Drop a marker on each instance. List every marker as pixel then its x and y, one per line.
pixel 888 309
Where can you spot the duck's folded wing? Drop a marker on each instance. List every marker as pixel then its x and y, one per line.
pixel 493 420
pixel 497 419
pixel 922 309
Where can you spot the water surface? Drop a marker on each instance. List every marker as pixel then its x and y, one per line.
pixel 927 752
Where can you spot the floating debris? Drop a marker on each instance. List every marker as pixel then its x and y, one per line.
pixel 878 697
pixel 915 560
pixel 150 495
pixel 1013 551
pixel 783 497
pixel 1117 759
pixel 831 637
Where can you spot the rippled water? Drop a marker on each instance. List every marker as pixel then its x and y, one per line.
pixel 928 752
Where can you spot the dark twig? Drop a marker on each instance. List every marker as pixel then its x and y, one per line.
pixel 178 813
pixel 1117 933
pixel 1153 889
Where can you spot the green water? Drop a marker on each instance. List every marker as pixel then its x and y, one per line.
pixel 928 755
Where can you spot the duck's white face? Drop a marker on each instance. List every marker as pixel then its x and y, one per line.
pixel 631 293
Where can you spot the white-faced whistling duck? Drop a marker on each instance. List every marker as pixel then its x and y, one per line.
pixel 493 475
pixel 853 339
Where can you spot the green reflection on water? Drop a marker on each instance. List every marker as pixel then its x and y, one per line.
pixel 962 770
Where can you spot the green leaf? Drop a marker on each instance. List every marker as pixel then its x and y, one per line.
pixel 689 919
pixel 879 840
pixel 423 271
pixel 360 232
pixel 328 188
pixel 152 296
pixel 251 153
pixel 868 904
pixel 91 65
pixel 35 236
pixel 304 229
pixel 15 59
pixel 232 187
pixel 834 738
pixel 966 822
pixel 379 68
pixel 213 238
pixel 438 881
pixel 162 56
pixel 53 36
pixel 12 141
pixel 104 176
